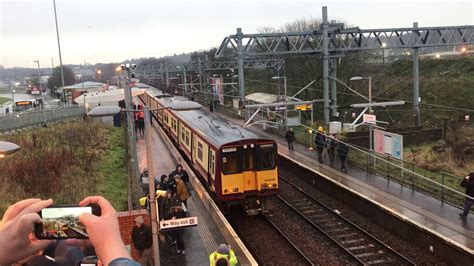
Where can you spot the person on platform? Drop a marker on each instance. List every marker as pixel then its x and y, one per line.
pixel 342 151
pixel 290 138
pixel 181 172
pixel 142 240
pixel 223 256
pixel 177 212
pixel 181 190
pixel 331 146
pixel 171 183
pixel 163 183
pixel 468 183
pixel 320 141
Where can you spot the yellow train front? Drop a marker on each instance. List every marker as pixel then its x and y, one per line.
pixel 238 166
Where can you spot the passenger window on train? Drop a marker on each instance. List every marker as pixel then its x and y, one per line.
pixel 187 137
pixel 200 151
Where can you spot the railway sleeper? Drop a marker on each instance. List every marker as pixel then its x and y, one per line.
pixel 380 261
pixel 368 254
pixel 358 248
pixel 347 242
pixel 337 231
pixel 352 234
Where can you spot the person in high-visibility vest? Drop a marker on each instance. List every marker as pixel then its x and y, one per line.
pixel 223 256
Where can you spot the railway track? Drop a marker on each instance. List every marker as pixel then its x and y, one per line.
pixel 355 241
pixel 266 241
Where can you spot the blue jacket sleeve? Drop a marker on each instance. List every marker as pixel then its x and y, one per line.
pixel 123 262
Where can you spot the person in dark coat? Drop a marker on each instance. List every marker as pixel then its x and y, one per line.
pixel 468 183
pixel 142 240
pixel 181 172
pixel 320 141
pixel 342 151
pixel 332 145
pixel 290 138
pixel 177 212
pixel 162 183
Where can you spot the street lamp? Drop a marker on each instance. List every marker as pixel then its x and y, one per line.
pixel 7 148
pixel 370 107
pixel 41 90
pixel 384 44
pixel 98 74
pixel 118 69
pixel 178 106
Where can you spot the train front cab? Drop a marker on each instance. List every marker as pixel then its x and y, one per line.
pixel 249 173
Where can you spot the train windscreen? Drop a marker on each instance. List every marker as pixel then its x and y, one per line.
pixel 266 157
pixel 231 161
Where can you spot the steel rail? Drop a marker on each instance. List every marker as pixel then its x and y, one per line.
pixel 286 238
pixel 345 220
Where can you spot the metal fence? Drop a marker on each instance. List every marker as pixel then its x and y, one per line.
pixel 440 185
pixel 17 121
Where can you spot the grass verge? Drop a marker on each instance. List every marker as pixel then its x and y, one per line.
pixel 112 171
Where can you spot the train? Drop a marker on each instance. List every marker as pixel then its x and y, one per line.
pixel 237 166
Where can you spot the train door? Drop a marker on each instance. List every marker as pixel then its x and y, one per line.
pixel 212 169
pixel 250 177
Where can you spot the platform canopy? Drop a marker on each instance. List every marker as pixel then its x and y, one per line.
pixel 266 98
pixel 105 96
pixel 83 86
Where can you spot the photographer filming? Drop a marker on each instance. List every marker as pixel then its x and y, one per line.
pixel 104 233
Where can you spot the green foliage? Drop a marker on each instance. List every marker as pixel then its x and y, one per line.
pixel 4 100
pixel 112 170
pixel 63 162
pixel 55 80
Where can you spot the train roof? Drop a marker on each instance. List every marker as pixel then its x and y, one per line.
pixel 217 130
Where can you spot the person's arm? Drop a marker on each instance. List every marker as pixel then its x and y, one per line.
pixel 465 181
pixel 104 231
pixel 16 226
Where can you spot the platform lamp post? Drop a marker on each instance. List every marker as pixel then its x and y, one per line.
pixel 7 148
pixel 284 98
pixel 369 78
pixel 41 90
pixel 112 110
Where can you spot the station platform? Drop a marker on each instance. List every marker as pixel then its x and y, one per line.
pixel 423 211
pixel 212 228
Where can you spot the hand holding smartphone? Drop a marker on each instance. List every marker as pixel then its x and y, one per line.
pixel 62 222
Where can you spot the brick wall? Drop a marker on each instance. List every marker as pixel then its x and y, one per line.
pixel 127 222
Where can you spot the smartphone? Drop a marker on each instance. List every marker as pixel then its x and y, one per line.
pixel 62 222
pixel 89 261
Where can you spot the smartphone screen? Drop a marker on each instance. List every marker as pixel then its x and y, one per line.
pixel 61 222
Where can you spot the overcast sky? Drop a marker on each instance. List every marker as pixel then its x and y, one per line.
pixel 114 30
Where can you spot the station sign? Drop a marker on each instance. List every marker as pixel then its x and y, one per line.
pixel 303 107
pixel 167 225
pixel 387 143
pixel 371 119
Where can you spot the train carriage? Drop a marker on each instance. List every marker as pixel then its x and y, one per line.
pixel 237 165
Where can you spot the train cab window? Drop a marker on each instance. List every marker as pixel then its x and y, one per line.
pixel 248 158
pixel 231 161
pixel 266 157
